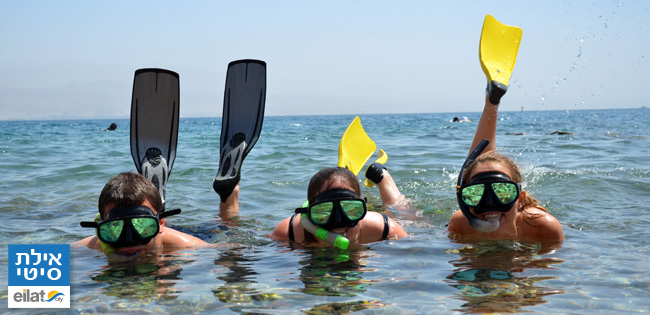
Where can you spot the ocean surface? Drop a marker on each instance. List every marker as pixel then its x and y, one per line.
pixel 595 181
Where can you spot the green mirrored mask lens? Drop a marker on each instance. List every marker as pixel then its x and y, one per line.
pixel 354 209
pixel 472 194
pixel 146 227
pixel 110 231
pixel 507 192
pixel 321 212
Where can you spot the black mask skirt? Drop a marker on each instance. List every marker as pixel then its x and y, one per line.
pixel 128 234
pixel 337 218
pixel 490 202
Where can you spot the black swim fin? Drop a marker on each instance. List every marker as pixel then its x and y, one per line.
pixel 241 123
pixel 154 124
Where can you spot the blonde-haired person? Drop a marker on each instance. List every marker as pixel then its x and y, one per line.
pixel 493 204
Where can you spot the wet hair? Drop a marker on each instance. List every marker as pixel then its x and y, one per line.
pixel 127 189
pixel 491 156
pixel 335 174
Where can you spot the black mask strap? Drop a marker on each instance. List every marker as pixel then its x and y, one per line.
pixel 473 220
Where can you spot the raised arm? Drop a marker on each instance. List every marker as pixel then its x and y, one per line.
pixel 390 194
pixel 487 126
pixel 498 53
pixel 379 175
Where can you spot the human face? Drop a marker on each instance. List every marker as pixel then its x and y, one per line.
pixel 495 170
pixel 132 252
pixel 339 184
pixel 337 208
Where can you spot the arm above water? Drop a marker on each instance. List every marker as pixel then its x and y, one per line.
pixel 390 194
pixel 487 126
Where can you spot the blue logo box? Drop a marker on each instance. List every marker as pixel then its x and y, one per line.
pixel 39 265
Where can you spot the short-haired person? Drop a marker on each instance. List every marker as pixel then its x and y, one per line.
pixel 131 220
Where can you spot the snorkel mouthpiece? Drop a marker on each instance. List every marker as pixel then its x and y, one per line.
pixel 484 226
pixel 337 240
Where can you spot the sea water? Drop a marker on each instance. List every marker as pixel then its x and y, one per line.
pixel 595 180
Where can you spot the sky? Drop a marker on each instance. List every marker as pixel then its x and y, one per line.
pixel 76 59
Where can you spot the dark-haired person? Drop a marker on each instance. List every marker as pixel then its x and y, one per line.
pixel 335 205
pixel 131 220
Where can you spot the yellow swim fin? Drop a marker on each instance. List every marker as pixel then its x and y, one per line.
pixel 355 147
pixel 498 53
pixel 382 157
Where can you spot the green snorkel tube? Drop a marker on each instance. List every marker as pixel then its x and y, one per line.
pixel 337 240
pixel 475 222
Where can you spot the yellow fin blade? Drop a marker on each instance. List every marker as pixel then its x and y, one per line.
pixel 356 147
pixel 498 49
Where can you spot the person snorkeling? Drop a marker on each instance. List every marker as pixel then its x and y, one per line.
pixel 490 195
pixel 131 220
pixel 335 206
pixel 492 203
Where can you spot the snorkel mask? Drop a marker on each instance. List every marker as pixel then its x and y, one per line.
pixel 336 208
pixel 129 226
pixel 480 203
pixel 490 192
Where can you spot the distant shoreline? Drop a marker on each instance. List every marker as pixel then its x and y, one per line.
pixel 452 114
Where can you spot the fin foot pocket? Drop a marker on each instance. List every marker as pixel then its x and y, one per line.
pixel 496 90
pixel 228 175
pixel 225 187
pixel 374 172
pixel 154 168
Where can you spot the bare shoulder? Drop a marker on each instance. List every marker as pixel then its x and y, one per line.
pixel 372 227
pixel 538 224
pixel 173 237
pixel 281 231
pixel 90 242
pixel 458 224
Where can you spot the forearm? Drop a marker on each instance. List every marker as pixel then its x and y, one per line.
pixel 487 126
pixel 390 194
